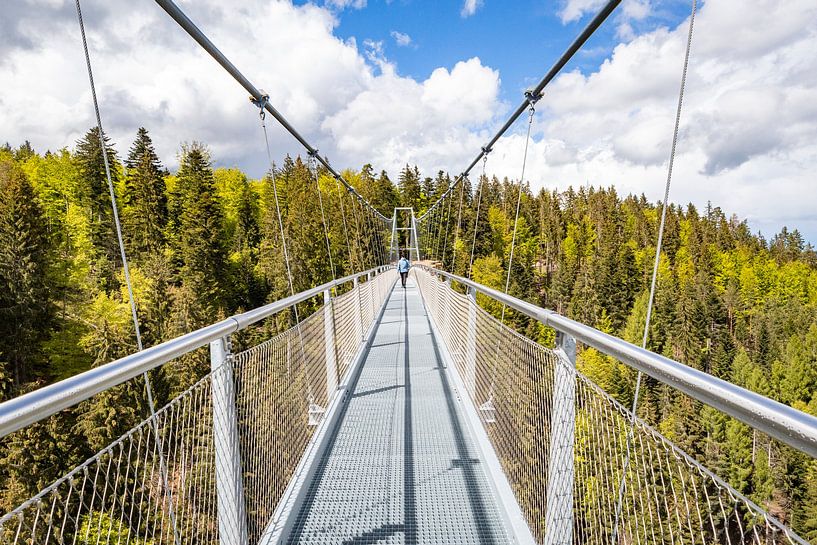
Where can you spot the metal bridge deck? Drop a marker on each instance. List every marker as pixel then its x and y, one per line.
pixel 401 466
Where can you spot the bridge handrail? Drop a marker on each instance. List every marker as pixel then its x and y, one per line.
pixel 794 428
pixel 34 406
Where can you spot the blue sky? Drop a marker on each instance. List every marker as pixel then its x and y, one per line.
pixel 520 38
pixel 748 140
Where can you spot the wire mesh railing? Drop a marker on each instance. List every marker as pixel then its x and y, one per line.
pixel 563 444
pixel 212 464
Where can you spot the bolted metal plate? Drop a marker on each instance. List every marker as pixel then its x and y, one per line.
pixel 402 466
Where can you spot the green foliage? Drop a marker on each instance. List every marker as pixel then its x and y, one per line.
pixel 94 196
pixel 98 527
pixel 25 310
pixel 207 243
pixel 144 200
pixel 197 240
pixel 726 303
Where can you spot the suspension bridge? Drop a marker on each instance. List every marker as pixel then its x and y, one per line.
pixel 397 415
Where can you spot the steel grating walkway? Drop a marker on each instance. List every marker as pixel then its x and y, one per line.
pixel 402 466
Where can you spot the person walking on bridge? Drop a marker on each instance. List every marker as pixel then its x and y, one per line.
pixel 403 267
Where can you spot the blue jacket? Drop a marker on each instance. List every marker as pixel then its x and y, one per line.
pixel 403 265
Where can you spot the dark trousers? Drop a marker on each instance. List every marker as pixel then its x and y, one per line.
pixel 403 276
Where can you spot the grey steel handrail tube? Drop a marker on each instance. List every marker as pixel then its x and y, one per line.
pixel 26 409
pixel 794 428
pixel 190 27
pixel 536 93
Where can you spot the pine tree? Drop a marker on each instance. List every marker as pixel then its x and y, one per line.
pixel 109 414
pixel 198 245
pixel 25 308
pixel 96 196
pixel 410 192
pixel 384 196
pixel 144 203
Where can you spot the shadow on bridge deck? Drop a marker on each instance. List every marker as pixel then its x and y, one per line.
pixel 401 466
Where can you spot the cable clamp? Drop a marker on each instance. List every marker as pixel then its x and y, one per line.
pixel 532 97
pixel 486 150
pixel 261 103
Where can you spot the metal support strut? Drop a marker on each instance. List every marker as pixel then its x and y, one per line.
pixel 232 516
pixel 559 514
pixel 471 345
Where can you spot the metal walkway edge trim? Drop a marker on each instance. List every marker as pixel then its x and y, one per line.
pixel 508 506
pixel 296 491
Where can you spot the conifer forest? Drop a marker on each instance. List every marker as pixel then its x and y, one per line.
pixel 204 243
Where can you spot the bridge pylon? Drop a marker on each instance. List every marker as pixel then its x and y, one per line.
pixel 412 244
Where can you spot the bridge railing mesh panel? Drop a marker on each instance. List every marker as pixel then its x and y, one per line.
pixel 157 483
pixel 578 465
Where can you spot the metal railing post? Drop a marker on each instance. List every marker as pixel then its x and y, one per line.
pixel 448 311
pixel 369 279
pixel 471 345
pixel 232 516
pixel 359 313
pixel 329 342
pixel 394 245
pixel 559 513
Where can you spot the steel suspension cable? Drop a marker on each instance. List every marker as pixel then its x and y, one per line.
pixel 656 263
pixel 314 168
pixel 125 268
pixel 437 225
pixel 372 238
pixel 378 240
pixel 262 115
pixel 360 253
pixel 482 180
pixel 443 226
pixel 432 232
pixel 518 205
pixel 447 229
pixel 440 229
pixel 258 97
pixel 457 232
pixel 513 245
pixel 367 237
pixel 278 216
pixel 341 198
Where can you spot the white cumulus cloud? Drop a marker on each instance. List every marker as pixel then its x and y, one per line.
pixel 470 7
pixel 149 72
pixel 400 38
pixel 573 10
pixel 748 138
pixel 343 4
